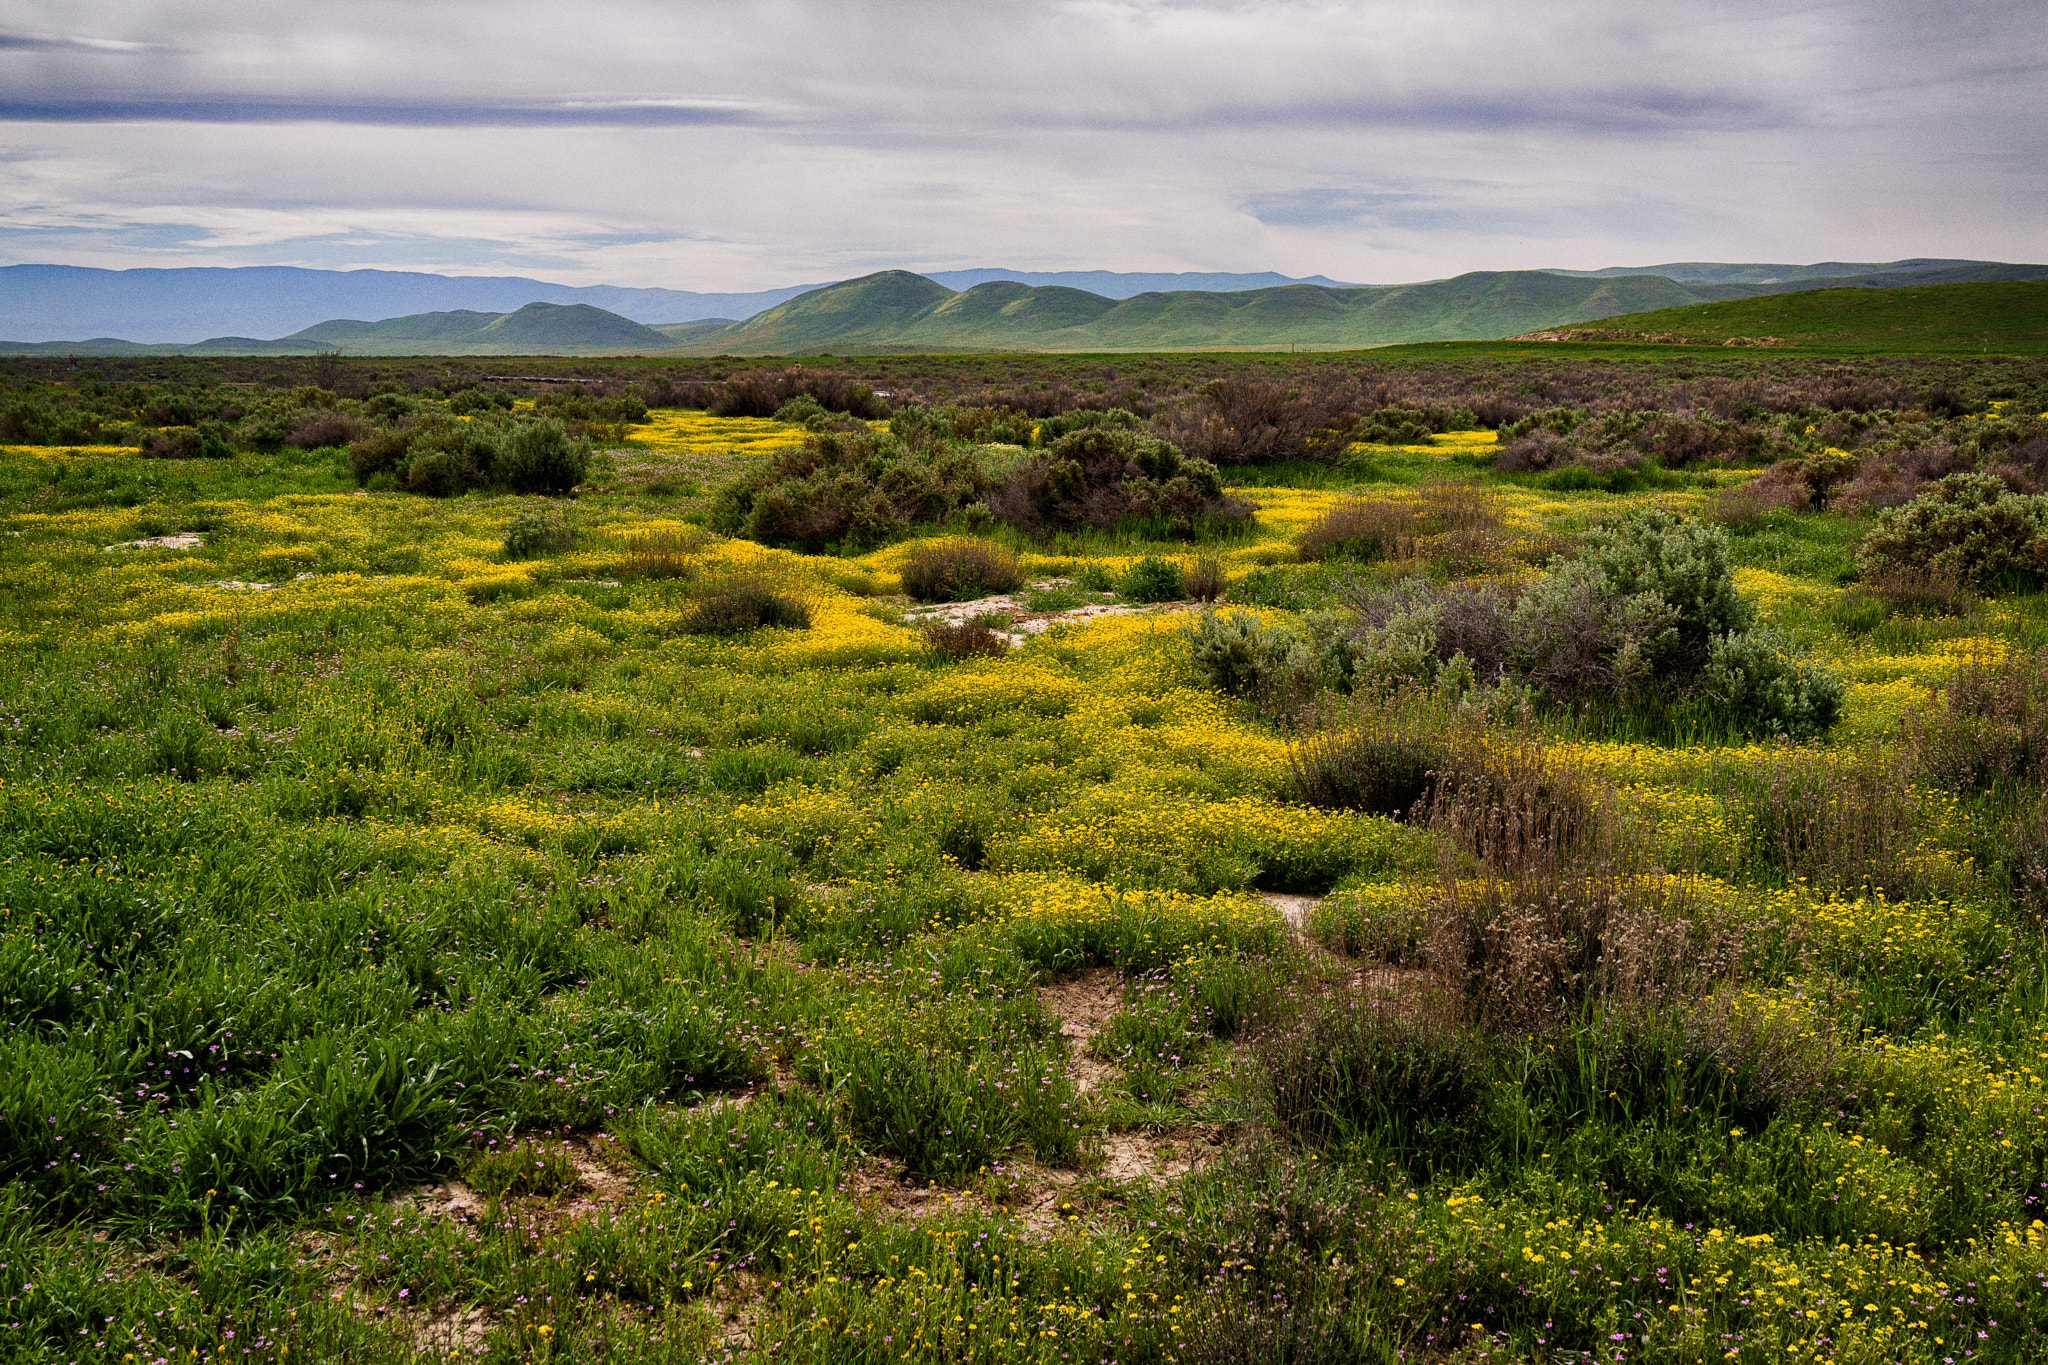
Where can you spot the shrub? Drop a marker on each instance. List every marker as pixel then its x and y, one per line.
pixel 742 607
pixel 1755 682
pixel 1254 421
pixel 203 442
pixel 325 427
pixel 857 489
pixel 540 457
pixel 761 393
pixel 957 570
pixel 1377 765
pixel 1989 728
pixel 1746 504
pixel 444 460
pixel 1922 592
pixel 963 639
pixel 1241 656
pixel 1152 579
pixel 1970 526
pixel 1088 419
pixel 476 399
pixel 379 452
pixel 1099 476
pixel 539 531
pixel 1204 578
pixel 1361 1071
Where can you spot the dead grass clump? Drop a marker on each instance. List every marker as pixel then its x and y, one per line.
pixel 1989 729
pixel 670 555
pixel 1747 503
pixel 1367 529
pixel 963 639
pixel 1846 820
pixel 1912 591
pixel 1526 953
pixel 1512 804
pixel 959 571
pixel 1456 527
pixel 1204 579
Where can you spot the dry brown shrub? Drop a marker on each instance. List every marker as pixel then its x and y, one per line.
pixel 1844 819
pixel 1204 579
pixel 963 639
pixel 1455 526
pixel 1989 728
pixel 1912 591
pixel 1748 502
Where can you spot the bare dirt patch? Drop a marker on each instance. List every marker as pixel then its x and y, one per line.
pixel 1085 1004
pixel 190 540
pixel 1295 908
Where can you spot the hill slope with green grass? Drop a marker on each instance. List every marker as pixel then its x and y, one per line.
pixel 2009 315
pixel 898 311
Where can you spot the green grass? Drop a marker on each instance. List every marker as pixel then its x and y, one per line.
pixel 2008 316
pixel 710 967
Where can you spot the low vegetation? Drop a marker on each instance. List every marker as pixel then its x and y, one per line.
pixel 1443 912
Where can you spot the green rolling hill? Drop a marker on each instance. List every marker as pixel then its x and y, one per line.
pixel 898 311
pixel 2009 315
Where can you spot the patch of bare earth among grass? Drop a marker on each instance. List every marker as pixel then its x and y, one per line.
pixel 1085 1004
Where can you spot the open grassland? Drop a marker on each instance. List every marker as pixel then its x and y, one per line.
pixel 430 929
pixel 2009 316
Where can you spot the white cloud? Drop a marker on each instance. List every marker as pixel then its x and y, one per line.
pixel 731 145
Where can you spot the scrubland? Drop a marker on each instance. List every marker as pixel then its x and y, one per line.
pixel 1407 902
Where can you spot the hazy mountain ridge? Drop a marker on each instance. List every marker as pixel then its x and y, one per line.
pixel 47 302
pixel 895 310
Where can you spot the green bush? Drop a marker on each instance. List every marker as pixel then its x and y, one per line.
pixel 1152 579
pixel 478 400
pixel 1970 527
pixel 1241 656
pixel 1756 682
pixel 539 531
pixel 540 457
pixel 959 571
pixel 203 442
pixel 847 488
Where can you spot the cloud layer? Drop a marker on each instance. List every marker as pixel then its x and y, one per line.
pixel 744 145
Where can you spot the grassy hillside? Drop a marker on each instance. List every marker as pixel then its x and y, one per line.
pixel 2001 316
pixel 895 311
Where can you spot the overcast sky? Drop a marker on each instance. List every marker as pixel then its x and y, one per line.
pixel 717 146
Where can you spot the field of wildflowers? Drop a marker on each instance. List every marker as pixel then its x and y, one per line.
pixel 420 943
